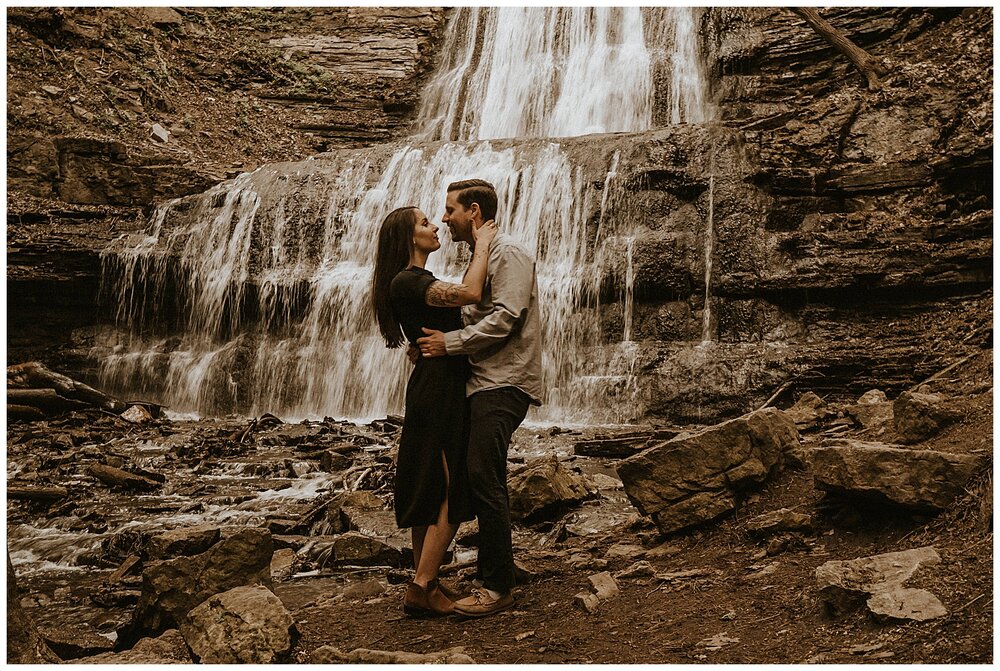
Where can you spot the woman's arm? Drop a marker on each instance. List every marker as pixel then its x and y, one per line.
pixel 470 291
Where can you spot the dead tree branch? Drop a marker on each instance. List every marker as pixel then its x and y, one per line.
pixel 869 66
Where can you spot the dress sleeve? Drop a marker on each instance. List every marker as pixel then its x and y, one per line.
pixel 410 286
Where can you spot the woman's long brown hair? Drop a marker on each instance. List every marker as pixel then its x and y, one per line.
pixel 395 243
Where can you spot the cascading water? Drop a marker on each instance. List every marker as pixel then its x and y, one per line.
pixel 706 320
pixel 540 72
pixel 253 296
pixel 677 58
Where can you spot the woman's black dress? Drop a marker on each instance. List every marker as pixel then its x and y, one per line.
pixel 437 417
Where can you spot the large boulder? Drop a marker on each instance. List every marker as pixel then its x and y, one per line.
pixel 182 542
pixel 693 479
pixel 24 644
pixel 244 625
pixel 168 648
pixel 919 416
pixel 921 479
pixel 542 487
pixel 172 587
pixel 878 582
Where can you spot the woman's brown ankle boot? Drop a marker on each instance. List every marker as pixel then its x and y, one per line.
pixel 426 601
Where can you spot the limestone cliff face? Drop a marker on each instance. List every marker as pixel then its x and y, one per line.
pixel 375 59
pixel 229 89
pixel 858 251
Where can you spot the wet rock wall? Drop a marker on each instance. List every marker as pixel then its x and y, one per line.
pixel 858 252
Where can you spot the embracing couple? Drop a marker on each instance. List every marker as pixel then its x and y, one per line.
pixel 476 349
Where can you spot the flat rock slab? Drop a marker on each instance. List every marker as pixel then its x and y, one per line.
pixel 692 479
pixel 117 478
pixel 244 625
pixel 328 654
pixel 603 585
pixel 182 542
pixel 878 581
pixel 72 643
pixel 921 479
pixel 355 549
pixel 640 569
pixel 168 648
pixel 294 434
pixel 778 521
pixel 905 603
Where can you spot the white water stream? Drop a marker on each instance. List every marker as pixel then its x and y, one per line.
pixel 253 297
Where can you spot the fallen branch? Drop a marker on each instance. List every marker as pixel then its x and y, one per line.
pixel 776 395
pixel 869 66
pixel 47 401
pixel 34 392
pixel 943 371
pixel 34 375
pixel 959 610
pixel 118 479
pixel 34 493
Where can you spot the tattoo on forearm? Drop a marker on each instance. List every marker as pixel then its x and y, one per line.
pixel 443 294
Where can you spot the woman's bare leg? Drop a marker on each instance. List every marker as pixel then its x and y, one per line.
pixel 417 535
pixel 435 542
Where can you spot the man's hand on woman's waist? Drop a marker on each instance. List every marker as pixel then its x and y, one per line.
pixel 432 344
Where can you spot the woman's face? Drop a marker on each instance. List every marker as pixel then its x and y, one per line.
pixel 425 237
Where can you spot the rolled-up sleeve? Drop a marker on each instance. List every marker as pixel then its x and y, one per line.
pixel 512 276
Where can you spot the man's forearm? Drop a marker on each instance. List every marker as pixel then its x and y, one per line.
pixel 490 330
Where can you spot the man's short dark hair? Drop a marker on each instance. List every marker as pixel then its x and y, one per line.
pixel 476 191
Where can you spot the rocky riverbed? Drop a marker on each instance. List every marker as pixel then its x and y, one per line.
pixel 127 537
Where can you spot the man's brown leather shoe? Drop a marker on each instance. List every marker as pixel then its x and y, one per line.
pixel 480 603
pixel 426 601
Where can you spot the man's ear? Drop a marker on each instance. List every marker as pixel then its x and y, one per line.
pixel 474 211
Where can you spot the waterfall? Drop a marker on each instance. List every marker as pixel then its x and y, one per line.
pixel 628 292
pixel 253 296
pixel 706 318
pixel 678 60
pixel 539 72
pixel 242 348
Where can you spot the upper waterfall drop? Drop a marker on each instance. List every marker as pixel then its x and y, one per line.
pixel 533 72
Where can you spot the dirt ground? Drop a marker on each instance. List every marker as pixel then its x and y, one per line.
pixel 731 599
pixel 765 606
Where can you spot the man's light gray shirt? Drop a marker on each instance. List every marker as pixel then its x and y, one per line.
pixel 503 336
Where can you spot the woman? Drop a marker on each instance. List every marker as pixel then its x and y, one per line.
pixel 431 492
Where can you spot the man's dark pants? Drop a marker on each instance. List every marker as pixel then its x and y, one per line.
pixel 494 415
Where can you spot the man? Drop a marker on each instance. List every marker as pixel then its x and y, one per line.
pixel 502 339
